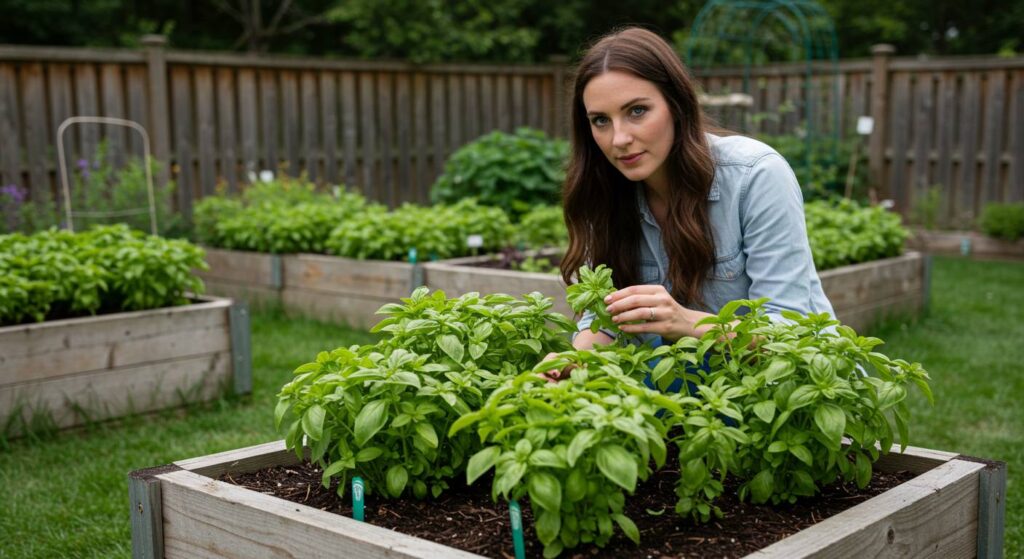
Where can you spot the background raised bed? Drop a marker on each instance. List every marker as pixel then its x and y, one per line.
pixel 73 371
pixel 969 243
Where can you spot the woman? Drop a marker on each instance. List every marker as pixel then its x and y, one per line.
pixel 687 220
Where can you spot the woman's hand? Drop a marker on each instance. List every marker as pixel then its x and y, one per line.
pixel 555 375
pixel 652 310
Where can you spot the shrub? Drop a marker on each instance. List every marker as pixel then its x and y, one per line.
pixel 543 226
pixel 1003 221
pixel 842 232
pixel 111 268
pixel 511 171
pixel 435 232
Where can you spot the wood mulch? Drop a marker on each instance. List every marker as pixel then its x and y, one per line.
pixel 465 517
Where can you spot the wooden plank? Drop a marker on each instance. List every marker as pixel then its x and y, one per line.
pixel 855 285
pixel 995 112
pixel 945 120
pixel 899 131
pixel 349 126
pixel 471 124
pixel 992 511
pixel 456 116
pixel 205 518
pixel 113 106
pixel 459 276
pixel 773 98
pixel 1016 138
pixel 290 122
pixel 119 392
pixel 240 329
pixel 371 278
pixel 502 103
pixel 33 97
pixel 518 102
pixel 56 335
pixel 385 115
pixel 924 115
pixel 406 191
pixel 181 122
pixel 312 152
pixel 205 129
pixel 489 121
pixel 330 119
pixel 532 100
pixel 226 128
pixel 937 512
pixel 138 110
pixel 60 110
pixel 269 113
pixel 368 136
pixel 914 459
pixel 241 460
pixel 547 106
pixel 248 122
pixel 353 311
pixel 794 87
pixel 437 122
pixel 10 147
pixel 420 100
pixel 255 268
pixel 86 104
pixel 968 144
pixel 146 513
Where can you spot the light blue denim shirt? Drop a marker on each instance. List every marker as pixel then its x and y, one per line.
pixel 757 219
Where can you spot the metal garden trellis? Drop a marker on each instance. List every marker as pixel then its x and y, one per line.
pixel 748 24
pixel 66 190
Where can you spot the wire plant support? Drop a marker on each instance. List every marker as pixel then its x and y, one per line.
pixel 756 32
pixel 66 190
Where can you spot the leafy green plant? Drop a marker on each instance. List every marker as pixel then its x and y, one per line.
pixel 842 232
pixel 542 227
pixel 1003 221
pixel 511 171
pixel 798 388
pixel 110 268
pixel 588 294
pixel 576 448
pixel 384 410
pixel 437 232
pixel 926 209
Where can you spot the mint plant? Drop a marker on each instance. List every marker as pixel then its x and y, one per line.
pixel 384 410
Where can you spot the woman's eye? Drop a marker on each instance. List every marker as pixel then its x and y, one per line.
pixel 638 110
pixel 599 120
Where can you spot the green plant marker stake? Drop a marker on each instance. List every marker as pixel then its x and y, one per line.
pixel 357 498
pixel 516 515
pixel 412 255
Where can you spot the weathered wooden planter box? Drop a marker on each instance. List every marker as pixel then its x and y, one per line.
pixel 254 277
pixel 861 294
pixel 101 367
pixel 318 286
pixel 954 508
pixel 967 243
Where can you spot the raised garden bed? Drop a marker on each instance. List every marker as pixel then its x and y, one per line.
pixel 952 507
pixel 323 287
pixel 77 370
pixel 861 294
pixel 967 243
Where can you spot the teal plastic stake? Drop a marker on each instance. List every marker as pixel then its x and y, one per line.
pixel 357 497
pixel 517 528
pixel 412 255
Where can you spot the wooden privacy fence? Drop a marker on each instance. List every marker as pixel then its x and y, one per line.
pixel 386 128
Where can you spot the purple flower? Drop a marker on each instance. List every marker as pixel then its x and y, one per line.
pixel 15 192
pixel 83 164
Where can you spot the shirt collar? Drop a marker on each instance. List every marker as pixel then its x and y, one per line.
pixel 645 211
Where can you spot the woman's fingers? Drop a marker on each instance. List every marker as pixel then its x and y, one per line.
pixel 624 306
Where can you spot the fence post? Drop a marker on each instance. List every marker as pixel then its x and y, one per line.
pixel 879 111
pixel 560 111
pixel 159 129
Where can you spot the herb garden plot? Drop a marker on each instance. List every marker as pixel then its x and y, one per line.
pixel 950 509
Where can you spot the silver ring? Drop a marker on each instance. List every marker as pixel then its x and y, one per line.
pixel 651 311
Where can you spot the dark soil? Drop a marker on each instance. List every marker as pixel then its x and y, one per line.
pixel 512 259
pixel 465 517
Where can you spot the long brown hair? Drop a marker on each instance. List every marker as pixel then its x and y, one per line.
pixel 599 202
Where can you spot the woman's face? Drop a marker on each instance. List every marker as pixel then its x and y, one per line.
pixel 632 124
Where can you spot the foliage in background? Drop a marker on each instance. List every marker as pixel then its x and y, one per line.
pixel 542 227
pixel 280 216
pixel 25 215
pixel 58 274
pixel 927 208
pixel 511 171
pixel 383 411
pixel 822 166
pixel 843 232
pixel 1003 221
pixel 436 232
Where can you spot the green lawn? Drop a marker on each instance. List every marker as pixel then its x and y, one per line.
pixel 66 496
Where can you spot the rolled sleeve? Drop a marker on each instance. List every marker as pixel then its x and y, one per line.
pixel 584 324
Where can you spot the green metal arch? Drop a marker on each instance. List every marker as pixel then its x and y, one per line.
pixel 748 24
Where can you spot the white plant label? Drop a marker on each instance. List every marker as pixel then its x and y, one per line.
pixel 475 241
